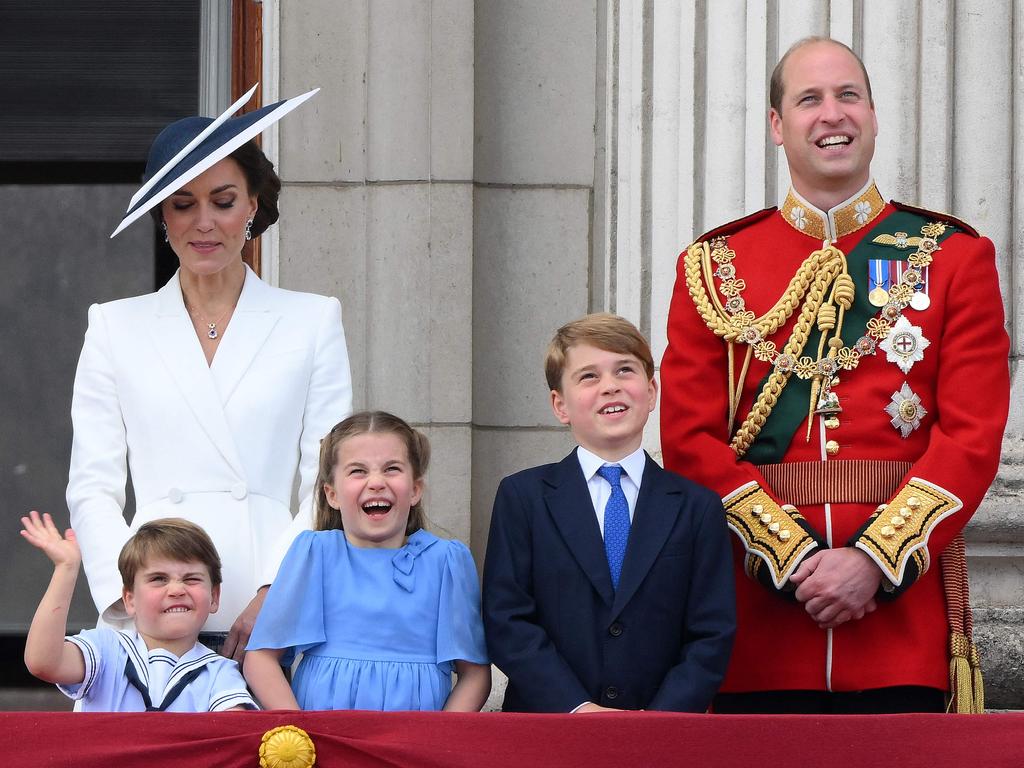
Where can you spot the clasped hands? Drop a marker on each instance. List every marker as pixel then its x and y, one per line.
pixel 837 585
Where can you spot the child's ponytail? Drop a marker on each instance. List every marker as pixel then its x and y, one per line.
pixel 325 517
pixel 419 459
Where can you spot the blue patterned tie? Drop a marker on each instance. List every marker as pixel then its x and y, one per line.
pixel 616 522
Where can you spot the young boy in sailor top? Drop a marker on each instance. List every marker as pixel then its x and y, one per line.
pixel 171 574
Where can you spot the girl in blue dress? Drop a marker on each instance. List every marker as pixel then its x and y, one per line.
pixel 382 611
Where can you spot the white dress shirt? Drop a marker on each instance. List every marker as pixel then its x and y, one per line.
pixel 600 489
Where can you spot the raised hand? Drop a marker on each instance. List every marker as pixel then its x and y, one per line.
pixel 41 533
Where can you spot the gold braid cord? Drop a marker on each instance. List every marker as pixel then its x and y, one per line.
pixel 810 285
pixel 822 282
pixel 770 534
pixel 966 687
pixel 901 530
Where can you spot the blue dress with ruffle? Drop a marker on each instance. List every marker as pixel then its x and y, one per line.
pixel 378 629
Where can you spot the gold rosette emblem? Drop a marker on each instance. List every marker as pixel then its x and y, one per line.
pixel 287 747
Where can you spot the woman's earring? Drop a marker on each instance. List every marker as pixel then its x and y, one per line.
pixel 248 230
pixel 167 238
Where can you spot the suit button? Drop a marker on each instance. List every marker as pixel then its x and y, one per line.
pixel 615 629
pixel 239 491
pixel 611 692
pixel 174 495
pixel 831 447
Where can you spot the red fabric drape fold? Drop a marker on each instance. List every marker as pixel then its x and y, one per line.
pixel 494 740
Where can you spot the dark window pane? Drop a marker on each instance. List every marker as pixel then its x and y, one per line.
pixel 94 80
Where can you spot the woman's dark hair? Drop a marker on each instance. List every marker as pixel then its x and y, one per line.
pixel 262 181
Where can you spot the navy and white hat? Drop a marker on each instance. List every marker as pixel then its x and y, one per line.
pixel 187 147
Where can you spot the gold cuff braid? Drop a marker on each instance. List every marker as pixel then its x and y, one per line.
pixel 900 529
pixel 768 531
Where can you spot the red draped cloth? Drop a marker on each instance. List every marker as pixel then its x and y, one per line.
pixel 494 740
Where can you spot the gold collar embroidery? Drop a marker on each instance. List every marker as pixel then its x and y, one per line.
pixel 859 211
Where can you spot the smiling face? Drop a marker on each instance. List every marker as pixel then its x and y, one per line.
pixel 605 398
pixel 170 601
pixel 206 219
pixel 827 124
pixel 373 488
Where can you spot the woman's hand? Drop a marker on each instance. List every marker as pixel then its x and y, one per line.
pixel 42 534
pixel 238 635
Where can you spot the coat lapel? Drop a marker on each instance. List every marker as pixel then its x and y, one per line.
pixel 568 503
pixel 657 508
pixel 250 325
pixel 176 343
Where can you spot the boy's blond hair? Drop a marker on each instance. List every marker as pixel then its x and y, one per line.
pixel 173 538
pixel 602 330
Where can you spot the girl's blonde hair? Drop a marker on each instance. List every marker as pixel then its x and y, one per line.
pixel 380 422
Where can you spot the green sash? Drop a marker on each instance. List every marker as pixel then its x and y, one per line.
pixel 790 411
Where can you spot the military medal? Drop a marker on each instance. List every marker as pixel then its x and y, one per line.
pixel 905 411
pixel 878 279
pixel 920 300
pixel 905 344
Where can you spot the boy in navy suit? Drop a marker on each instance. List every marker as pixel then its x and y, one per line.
pixel 608 582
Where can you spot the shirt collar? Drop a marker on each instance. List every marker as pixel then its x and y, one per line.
pixel 849 216
pixel 633 465
pixel 166 674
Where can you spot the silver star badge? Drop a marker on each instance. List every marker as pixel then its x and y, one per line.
pixel 905 410
pixel 905 344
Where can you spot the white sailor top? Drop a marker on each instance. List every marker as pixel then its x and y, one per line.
pixel 123 675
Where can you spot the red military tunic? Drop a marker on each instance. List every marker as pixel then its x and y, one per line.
pixel 951 402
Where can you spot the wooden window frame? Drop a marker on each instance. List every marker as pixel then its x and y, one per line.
pixel 246 69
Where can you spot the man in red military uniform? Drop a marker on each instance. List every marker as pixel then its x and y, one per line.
pixel 837 372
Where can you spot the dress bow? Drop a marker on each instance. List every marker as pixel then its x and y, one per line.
pixel 405 559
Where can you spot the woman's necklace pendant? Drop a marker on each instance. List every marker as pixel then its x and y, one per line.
pixel 212 333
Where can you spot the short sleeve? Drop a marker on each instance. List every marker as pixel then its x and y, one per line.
pixel 292 617
pixel 228 689
pixel 96 645
pixel 460 629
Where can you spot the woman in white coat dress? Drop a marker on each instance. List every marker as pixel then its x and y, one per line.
pixel 216 389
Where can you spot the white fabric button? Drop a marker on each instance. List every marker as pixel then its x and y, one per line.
pixel 175 496
pixel 239 491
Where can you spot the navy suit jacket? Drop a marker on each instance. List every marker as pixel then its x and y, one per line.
pixel 561 633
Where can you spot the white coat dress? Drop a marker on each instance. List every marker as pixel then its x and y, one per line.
pixel 220 445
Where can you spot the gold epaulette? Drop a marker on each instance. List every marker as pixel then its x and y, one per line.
pixel 771 534
pixel 899 530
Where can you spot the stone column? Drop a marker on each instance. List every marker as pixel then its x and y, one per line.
pixel 534 156
pixel 377 208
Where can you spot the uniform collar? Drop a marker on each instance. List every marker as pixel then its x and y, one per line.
pixel 849 216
